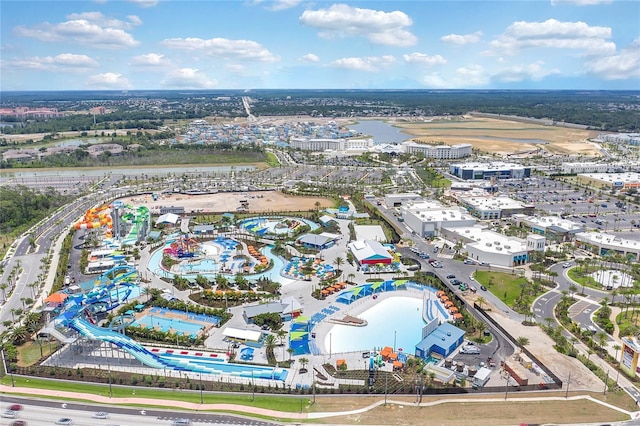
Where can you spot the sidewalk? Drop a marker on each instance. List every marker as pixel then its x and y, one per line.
pixel 250 410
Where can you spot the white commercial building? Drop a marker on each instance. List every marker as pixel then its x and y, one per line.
pixel 490 208
pixel 593 167
pixel 425 218
pixel 441 152
pixel 488 246
pixel 553 227
pixel 331 144
pixel 607 244
pixel 483 171
pixel 396 200
pixel 619 181
pixel 625 138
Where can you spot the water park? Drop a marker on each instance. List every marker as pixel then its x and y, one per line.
pixel 342 318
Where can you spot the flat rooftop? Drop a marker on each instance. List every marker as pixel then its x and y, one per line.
pixel 599 238
pixel 490 241
pixel 492 203
pixel 626 177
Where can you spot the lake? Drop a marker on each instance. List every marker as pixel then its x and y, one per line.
pixel 380 131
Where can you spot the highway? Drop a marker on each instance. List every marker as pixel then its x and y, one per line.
pixel 46 412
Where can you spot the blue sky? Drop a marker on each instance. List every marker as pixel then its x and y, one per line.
pixel 287 44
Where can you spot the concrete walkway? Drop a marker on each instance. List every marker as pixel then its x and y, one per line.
pixel 249 410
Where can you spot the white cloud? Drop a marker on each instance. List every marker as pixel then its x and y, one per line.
pixel 285 4
pixel 472 76
pixel 309 57
pixel 366 64
pixel 64 61
pixel 222 47
pixel 150 60
pixel 89 28
pixel 188 78
pixel 534 71
pixel 621 66
pixel 580 2
pixel 423 58
pixel 462 39
pixel 99 18
pixel 144 3
pixel 109 80
pixel 379 27
pixel 554 34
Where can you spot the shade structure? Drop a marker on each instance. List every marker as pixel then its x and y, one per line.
pixel 299 335
pixel 56 298
pixel 397 364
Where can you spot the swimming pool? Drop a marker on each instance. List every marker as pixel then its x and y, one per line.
pixel 396 318
pixel 165 324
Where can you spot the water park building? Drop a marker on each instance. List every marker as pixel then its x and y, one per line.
pixel 317 241
pixel 368 252
pixel 441 342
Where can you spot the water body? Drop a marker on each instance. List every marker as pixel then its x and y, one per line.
pixel 380 131
pixel 78 142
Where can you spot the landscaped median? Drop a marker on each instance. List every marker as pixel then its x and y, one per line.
pixel 259 405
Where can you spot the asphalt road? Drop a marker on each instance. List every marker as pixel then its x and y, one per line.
pixel 46 412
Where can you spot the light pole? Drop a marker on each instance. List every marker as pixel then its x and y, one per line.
pixel 201 395
pixel 110 390
pixel 394 340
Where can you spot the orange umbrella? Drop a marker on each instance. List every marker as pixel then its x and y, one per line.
pixel 56 298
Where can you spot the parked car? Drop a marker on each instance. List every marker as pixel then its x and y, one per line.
pixel 450 276
pixel 470 350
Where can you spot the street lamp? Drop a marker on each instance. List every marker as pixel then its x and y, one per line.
pixel 394 340
pixel 201 396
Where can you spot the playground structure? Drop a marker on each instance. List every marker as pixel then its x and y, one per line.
pixel 184 247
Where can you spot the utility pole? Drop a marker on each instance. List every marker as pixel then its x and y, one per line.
pixel 566 395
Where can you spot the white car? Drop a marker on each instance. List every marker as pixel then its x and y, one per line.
pixel 101 415
pixel 65 421
pixel 566 265
pixel 470 350
pixel 9 414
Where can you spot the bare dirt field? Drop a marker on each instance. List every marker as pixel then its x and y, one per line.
pixel 480 413
pixel 502 136
pixel 259 202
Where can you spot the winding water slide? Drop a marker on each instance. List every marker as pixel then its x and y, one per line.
pixel 173 362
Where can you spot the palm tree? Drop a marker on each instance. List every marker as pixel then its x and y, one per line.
pixel 617 348
pixel 269 344
pixel 19 335
pixel 481 301
pixel 522 341
pixel 304 361
pixel 3 288
pixel 291 351
pixel 351 277
pixel 338 262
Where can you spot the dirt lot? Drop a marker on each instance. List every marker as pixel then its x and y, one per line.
pixel 492 412
pixel 259 202
pixel 491 135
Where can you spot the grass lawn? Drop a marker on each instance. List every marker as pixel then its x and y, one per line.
pixel 29 353
pixel 505 286
pixel 270 402
pixel 585 281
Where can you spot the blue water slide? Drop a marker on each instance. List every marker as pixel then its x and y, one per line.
pixel 131 346
pixel 173 362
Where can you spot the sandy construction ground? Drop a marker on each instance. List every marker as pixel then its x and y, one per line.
pixel 502 136
pixel 259 201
